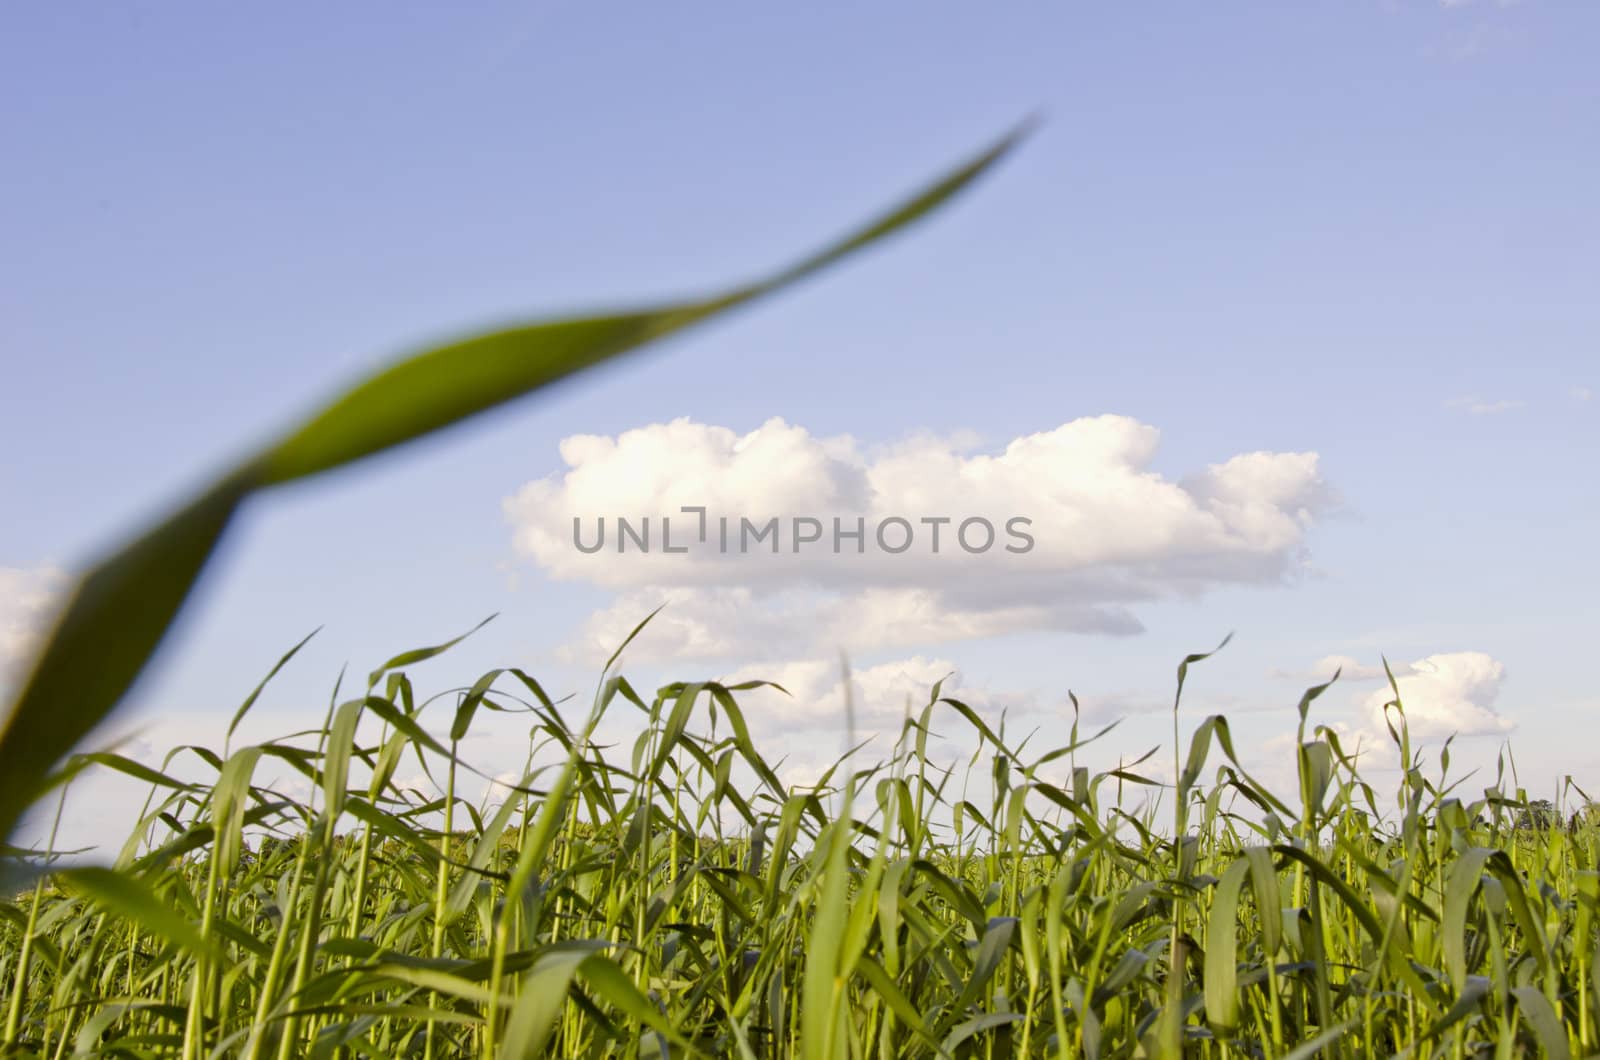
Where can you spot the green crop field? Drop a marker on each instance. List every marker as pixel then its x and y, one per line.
pixel 673 897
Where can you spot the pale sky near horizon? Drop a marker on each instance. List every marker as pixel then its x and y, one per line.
pixel 1283 323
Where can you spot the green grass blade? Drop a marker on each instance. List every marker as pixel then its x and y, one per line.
pixel 1314 1045
pixel 1543 1021
pixel 126 895
pixel 255 694
pixel 1222 951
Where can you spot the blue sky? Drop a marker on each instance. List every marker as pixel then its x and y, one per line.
pixel 1361 230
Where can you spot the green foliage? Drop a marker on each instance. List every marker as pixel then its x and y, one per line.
pixel 675 898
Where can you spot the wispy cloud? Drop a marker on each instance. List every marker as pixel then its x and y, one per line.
pixel 1347 667
pixel 1580 393
pixel 1477 406
pixel 1460 43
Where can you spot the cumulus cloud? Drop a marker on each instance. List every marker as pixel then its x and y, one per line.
pixel 28 598
pixel 928 540
pixel 1450 693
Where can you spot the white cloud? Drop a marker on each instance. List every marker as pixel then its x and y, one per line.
pixel 1106 530
pixel 739 623
pixel 1450 693
pixel 28 598
pixel 880 695
pixel 1444 695
pixel 1479 407
pixel 1580 393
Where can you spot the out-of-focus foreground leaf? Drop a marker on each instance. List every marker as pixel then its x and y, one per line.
pixel 120 610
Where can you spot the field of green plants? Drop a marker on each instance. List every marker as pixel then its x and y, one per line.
pixel 670 895
pixel 676 898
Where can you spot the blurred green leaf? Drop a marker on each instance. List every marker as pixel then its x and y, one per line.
pixel 121 609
